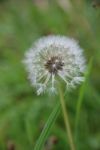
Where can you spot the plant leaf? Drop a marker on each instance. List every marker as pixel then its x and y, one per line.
pixel 45 132
pixel 81 96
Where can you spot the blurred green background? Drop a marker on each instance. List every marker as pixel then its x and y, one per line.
pixel 23 114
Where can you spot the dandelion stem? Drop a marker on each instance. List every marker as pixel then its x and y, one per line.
pixel 66 120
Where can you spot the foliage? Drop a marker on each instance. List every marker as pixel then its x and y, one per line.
pixel 23 114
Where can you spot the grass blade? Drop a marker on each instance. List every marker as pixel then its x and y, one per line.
pixel 45 132
pixel 81 96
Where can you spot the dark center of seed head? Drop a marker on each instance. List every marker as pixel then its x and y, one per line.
pixel 54 64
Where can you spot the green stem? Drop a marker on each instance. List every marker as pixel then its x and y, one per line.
pixel 66 120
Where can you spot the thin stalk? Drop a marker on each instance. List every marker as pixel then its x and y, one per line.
pixel 66 119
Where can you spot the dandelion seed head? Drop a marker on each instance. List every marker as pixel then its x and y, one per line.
pixel 52 57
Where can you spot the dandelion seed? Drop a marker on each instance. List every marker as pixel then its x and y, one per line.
pixel 52 57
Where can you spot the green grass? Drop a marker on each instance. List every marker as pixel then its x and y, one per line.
pixel 23 114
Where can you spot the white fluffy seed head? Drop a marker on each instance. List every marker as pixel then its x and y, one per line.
pixel 52 57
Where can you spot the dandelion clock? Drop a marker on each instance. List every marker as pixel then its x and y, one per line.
pixel 52 59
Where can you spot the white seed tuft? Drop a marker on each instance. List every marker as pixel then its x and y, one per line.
pixel 52 57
